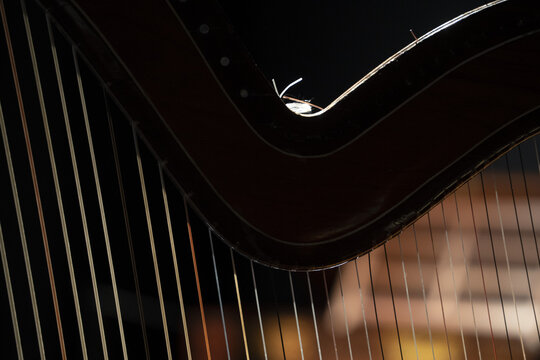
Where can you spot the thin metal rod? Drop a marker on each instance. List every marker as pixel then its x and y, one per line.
pixel 258 307
pixel 152 244
pixel 11 299
pixel 296 316
pixel 423 291
pixel 314 318
pixel 277 314
pixel 345 312
pixel 363 310
pixel 375 305
pixel 521 240
pixel 101 207
pixel 239 305
pixel 219 297
pixel 33 174
pixel 22 232
pixel 57 188
pixel 330 313
pixel 393 301
pixel 175 263
pixel 465 262
pixel 453 279
pixel 481 271
pixel 407 293
pixel 496 267
pixel 439 285
pixel 128 228
pixel 508 264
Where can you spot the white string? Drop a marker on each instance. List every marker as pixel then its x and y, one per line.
pixel 289 86
pixel 330 313
pixel 11 299
pixel 23 236
pixel 152 244
pixel 345 312
pixel 258 308
pixel 296 316
pixel 101 209
pixel 362 305
pixel 239 304
pixel 175 263
pixel 314 318
pixel 407 292
pixel 219 295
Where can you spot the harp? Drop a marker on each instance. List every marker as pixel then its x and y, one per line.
pixel 150 209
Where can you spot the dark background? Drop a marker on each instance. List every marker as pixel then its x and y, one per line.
pixel 332 44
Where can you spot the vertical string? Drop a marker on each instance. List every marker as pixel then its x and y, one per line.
pixel 465 262
pixel 521 243
pixel 258 308
pixel 362 305
pixel 24 244
pixel 152 244
pixel 345 312
pixel 11 299
pixel 79 191
pixel 126 225
pixel 59 200
pixel 34 183
pixel 439 285
pixel 314 318
pixel 219 297
pixel 481 270
pixel 508 264
pixel 495 262
pixel 296 317
pixel 175 263
pixel 101 206
pixel 375 304
pixel 453 279
pixel 393 302
pixel 239 305
pixel 407 293
pixel 423 291
pixel 277 314
pixel 330 313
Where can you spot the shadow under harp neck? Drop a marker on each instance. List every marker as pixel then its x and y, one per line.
pixel 157 203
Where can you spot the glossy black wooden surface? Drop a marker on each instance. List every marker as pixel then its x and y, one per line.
pixel 299 192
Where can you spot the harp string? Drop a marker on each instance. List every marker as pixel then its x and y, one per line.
pixel 296 316
pixel 101 207
pixel 239 305
pixel 453 279
pixel 374 305
pixel 407 293
pixel 127 226
pixel 11 298
pixel 22 233
pixel 481 270
pixel 508 264
pixel 438 284
pixel 423 291
pixel 219 298
pixel 175 264
pixel 521 243
pixel 495 263
pixel 313 313
pixel 362 307
pixel 152 244
pixel 258 307
pixel 55 179
pixel 277 315
pixel 37 194
pixel 466 265
pixel 393 302
pixel 330 313
pixel 344 312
